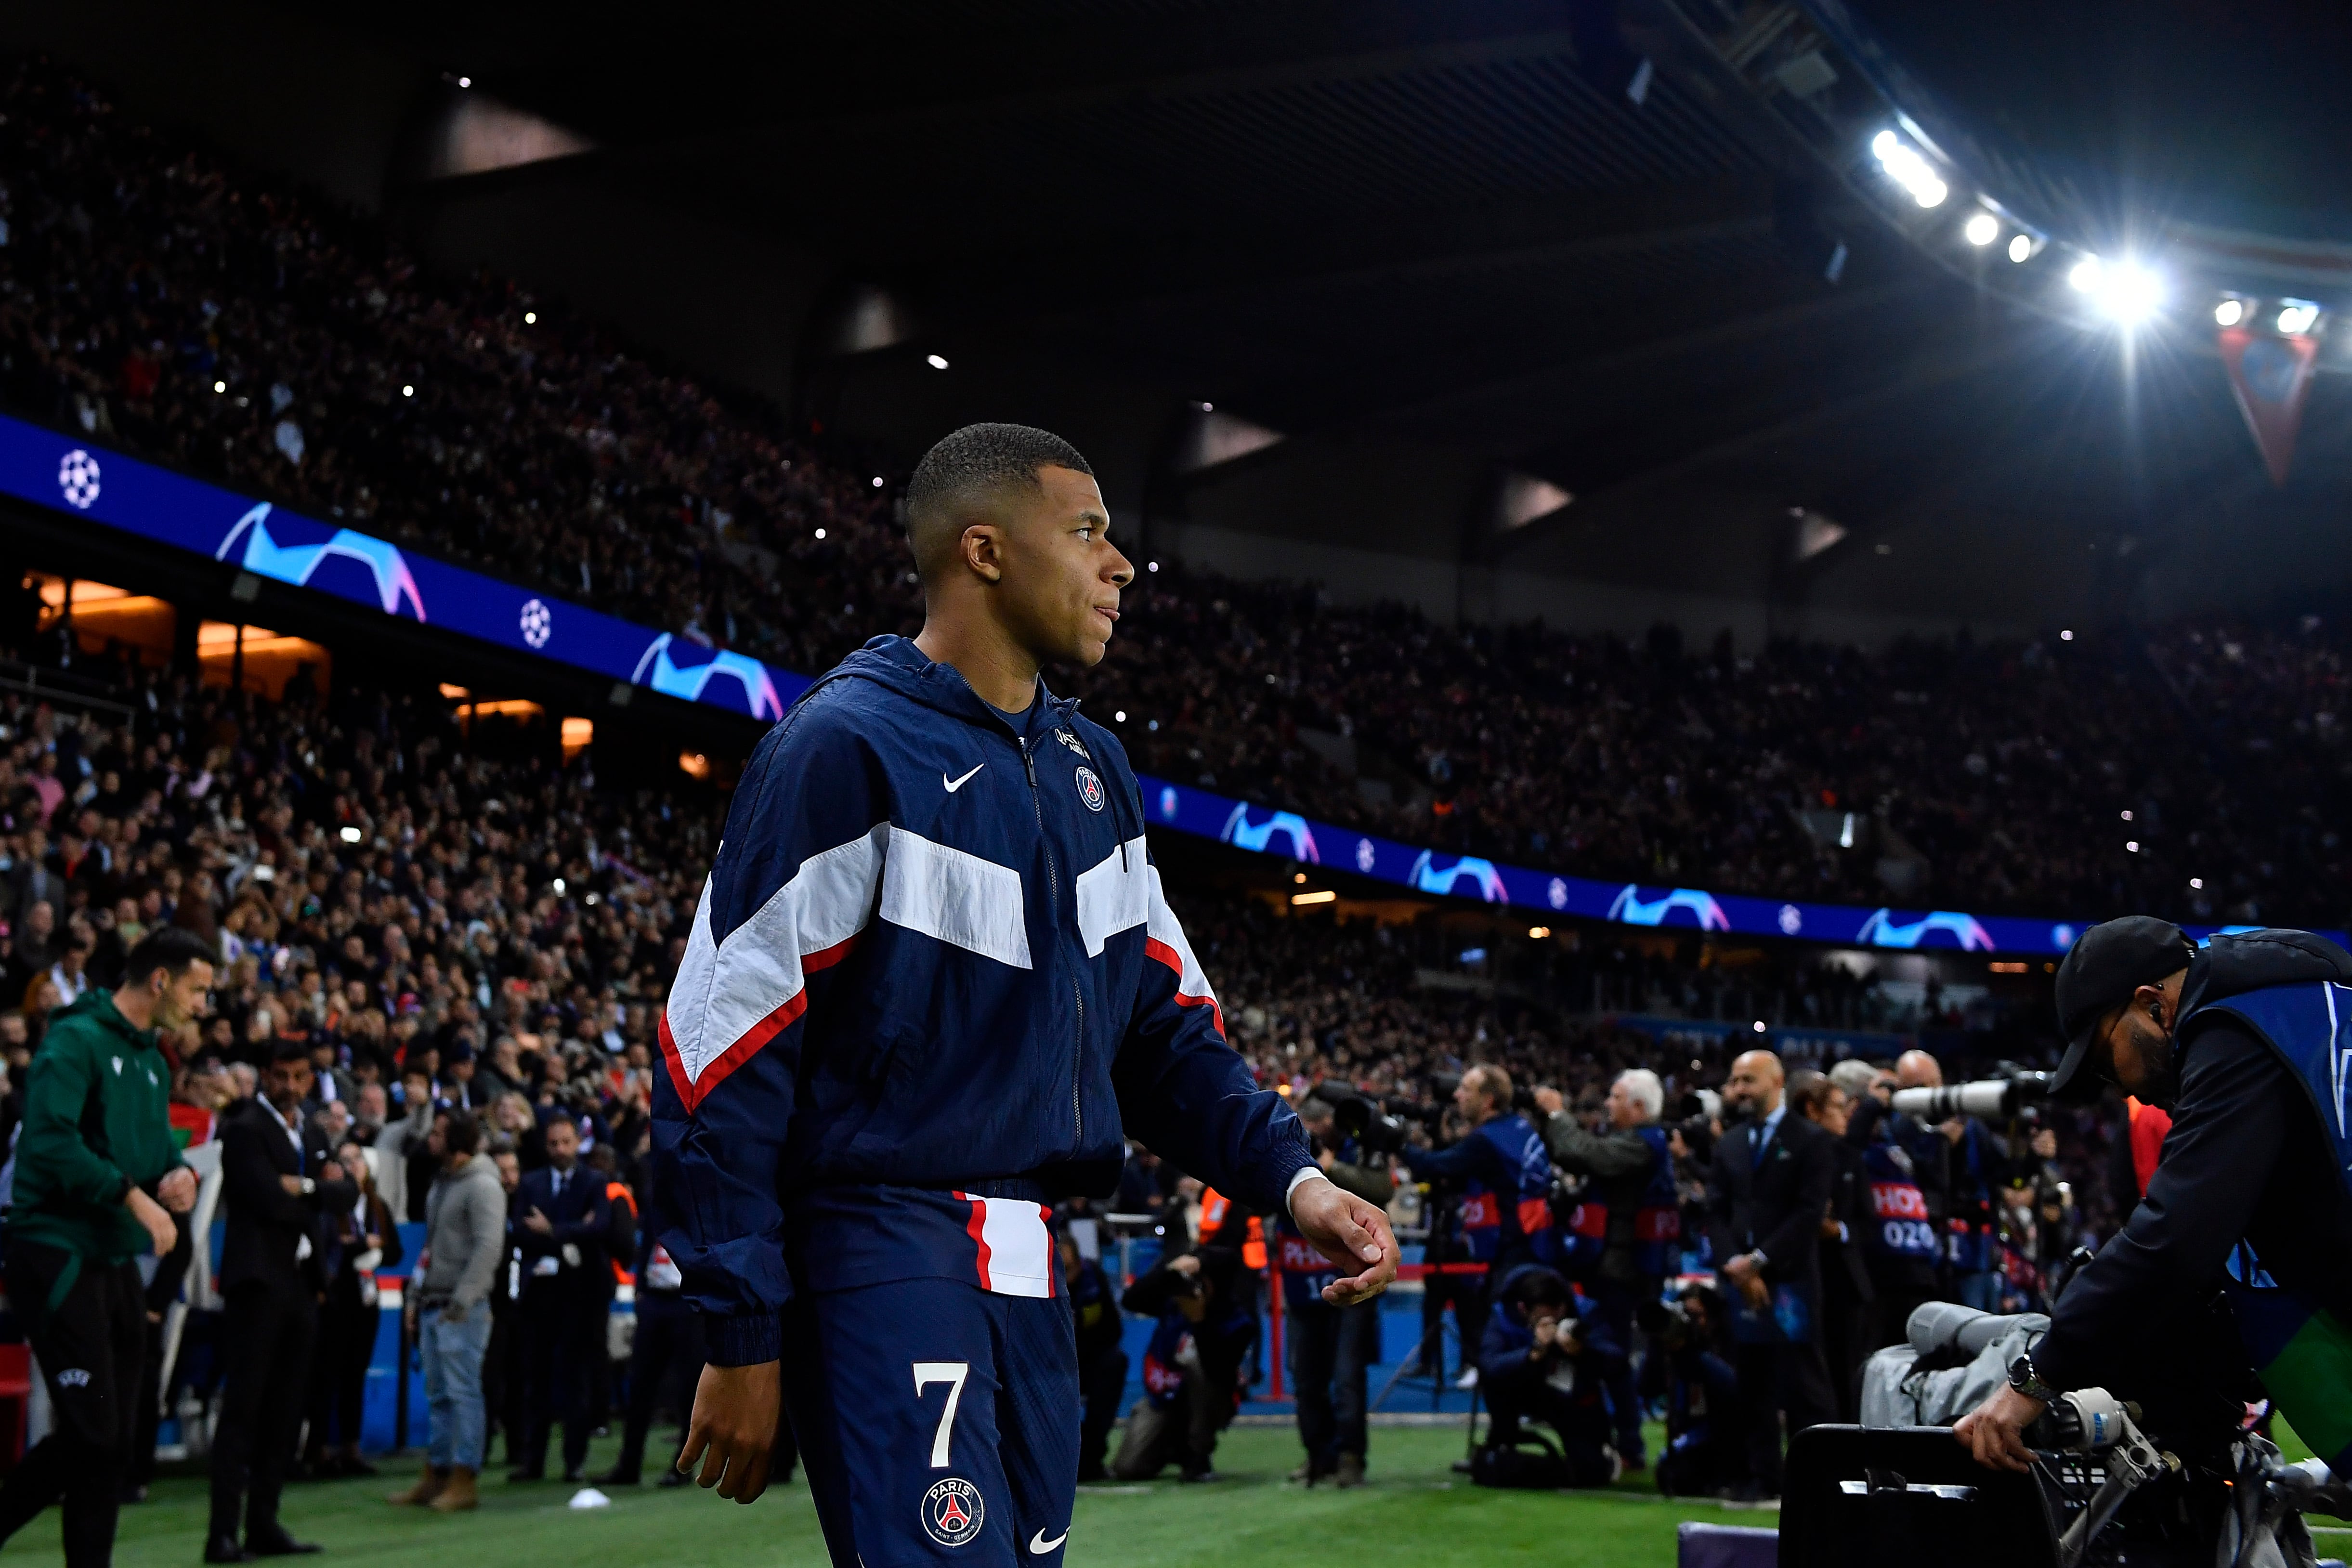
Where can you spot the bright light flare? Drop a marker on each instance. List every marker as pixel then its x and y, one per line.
pixel 2125 292
pixel 2021 247
pixel 2297 317
pixel 1983 229
pixel 1907 169
pixel 2230 312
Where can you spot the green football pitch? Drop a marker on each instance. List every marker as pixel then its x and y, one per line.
pixel 1413 1510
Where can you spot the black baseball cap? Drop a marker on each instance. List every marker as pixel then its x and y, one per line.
pixel 2105 966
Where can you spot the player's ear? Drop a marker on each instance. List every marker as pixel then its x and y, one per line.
pixel 983 551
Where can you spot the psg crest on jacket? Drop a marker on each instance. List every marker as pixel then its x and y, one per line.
pixel 1090 790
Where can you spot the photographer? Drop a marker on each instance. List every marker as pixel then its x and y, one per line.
pixel 1641 1220
pixel 1969 1166
pixel 1689 1367
pixel 2241 1042
pixel 1191 1368
pixel 1538 1361
pixel 1329 1347
pixel 1901 1245
pixel 1504 1174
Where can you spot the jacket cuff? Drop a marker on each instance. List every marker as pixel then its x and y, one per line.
pixel 1310 1172
pixel 743 1341
pixel 2049 1364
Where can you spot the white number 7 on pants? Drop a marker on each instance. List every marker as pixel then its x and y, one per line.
pixel 953 1374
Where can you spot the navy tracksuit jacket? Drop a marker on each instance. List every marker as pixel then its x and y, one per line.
pixel 932 985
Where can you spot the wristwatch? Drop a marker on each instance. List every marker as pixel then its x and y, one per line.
pixel 2028 1382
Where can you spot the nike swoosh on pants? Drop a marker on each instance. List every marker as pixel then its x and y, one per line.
pixel 1039 1545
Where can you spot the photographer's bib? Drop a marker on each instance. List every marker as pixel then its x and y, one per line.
pixel 2301 1348
pixel 1899 1222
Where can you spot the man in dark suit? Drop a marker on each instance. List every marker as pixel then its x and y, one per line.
pixel 280 1180
pixel 1768 1195
pixel 561 1221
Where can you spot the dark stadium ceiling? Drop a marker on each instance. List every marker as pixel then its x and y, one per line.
pixel 1447 225
pixel 2228 111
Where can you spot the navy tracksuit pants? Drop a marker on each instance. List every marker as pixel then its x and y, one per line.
pixel 938 1423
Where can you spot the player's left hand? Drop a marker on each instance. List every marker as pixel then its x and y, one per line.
pixel 1349 1231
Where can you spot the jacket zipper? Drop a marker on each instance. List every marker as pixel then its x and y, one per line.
pixel 1054 908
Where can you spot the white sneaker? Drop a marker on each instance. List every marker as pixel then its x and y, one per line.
pixel 1469 1378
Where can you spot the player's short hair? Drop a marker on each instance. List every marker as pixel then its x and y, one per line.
pixel 1647 1092
pixel 967 466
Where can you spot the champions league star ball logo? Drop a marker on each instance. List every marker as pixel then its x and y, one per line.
pixel 538 622
pixel 1090 790
pixel 77 478
pixel 952 1512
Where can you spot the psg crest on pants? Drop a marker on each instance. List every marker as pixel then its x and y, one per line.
pixel 952 1512
pixel 1090 789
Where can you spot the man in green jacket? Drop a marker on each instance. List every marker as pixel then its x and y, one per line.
pixel 98 1178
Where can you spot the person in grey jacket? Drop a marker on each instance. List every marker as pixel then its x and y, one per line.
pixel 1624 1159
pixel 465 1245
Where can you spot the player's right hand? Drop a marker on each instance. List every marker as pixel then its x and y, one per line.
pixel 734 1428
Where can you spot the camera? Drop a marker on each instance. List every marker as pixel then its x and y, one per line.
pixel 1698 1136
pixel 1677 1325
pixel 1359 1116
pixel 1991 1098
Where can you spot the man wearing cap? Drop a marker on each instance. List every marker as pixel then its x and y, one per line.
pixel 2248 1043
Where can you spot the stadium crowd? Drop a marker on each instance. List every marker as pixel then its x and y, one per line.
pixel 162 300
pixel 462 944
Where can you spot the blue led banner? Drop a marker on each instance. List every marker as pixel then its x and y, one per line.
pixel 66 475
pixel 59 472
pixel 1289 835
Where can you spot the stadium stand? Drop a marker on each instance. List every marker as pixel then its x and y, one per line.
pixel 142 272
pixel 311 319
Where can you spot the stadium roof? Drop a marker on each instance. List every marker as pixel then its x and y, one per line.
pixel 1450 235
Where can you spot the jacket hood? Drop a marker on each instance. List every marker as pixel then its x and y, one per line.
pixel 97 1006
pixel 478 1167
pixel 897 664
pixel 2249 961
